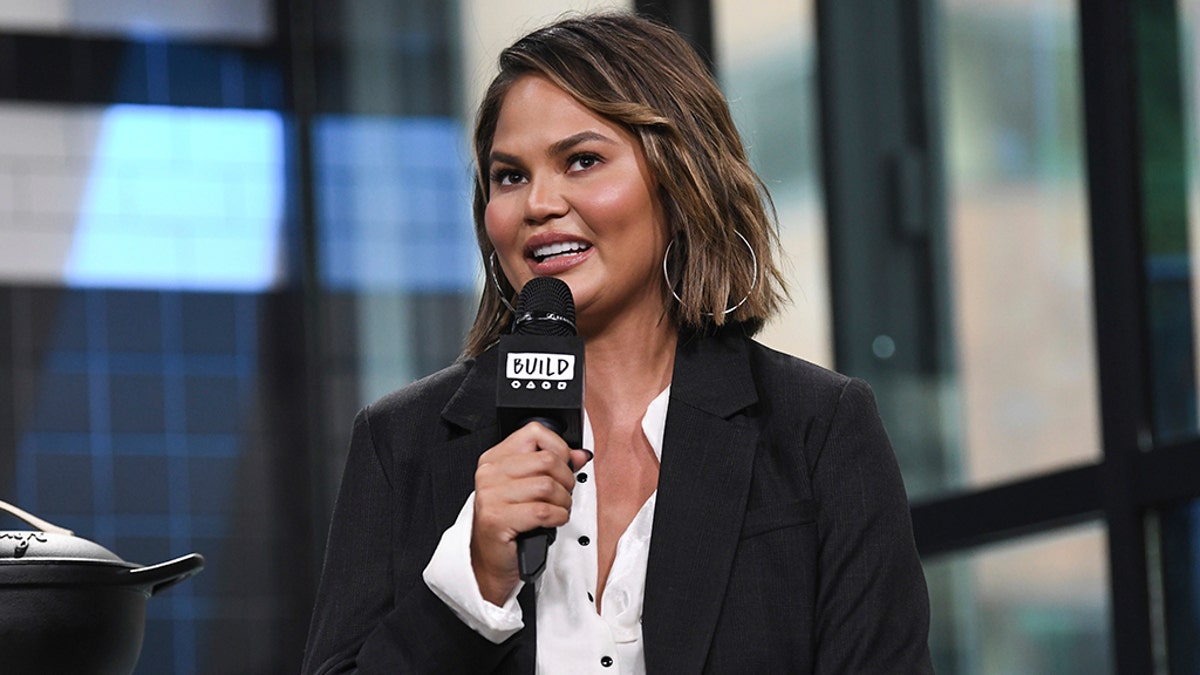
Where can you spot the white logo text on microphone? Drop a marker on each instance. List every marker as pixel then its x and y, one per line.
pixel 540 366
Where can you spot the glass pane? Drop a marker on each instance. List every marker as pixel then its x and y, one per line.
pixel 1039 605
pixel 133 196
pixel 1181 582
pixel 766 60
pixel 394 240
pixel 1018 232
pixel 488 27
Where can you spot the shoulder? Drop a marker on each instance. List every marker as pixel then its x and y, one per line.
pixel 402 428
pixel 825 409
pixel 419 406
pixel 780 375
pixel 432 391
pixel 773 364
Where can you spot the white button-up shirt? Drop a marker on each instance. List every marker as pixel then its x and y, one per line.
pixel 572 637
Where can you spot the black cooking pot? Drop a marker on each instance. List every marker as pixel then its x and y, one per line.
pixel 69 605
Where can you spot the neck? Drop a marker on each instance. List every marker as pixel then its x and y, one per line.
pixel 628 364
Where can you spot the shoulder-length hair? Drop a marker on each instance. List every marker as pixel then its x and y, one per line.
pixel 647 78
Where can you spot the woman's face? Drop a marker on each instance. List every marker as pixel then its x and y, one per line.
pixel 571 196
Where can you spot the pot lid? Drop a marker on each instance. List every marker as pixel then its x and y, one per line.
pixel 48 543
pixel 54 556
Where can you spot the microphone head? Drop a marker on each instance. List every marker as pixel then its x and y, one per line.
pixel 545 307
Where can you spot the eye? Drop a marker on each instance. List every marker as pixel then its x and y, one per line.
pixel 504 177
pixel 584 161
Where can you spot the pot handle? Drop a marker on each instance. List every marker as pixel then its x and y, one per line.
pixel 34 520
pixel 164 575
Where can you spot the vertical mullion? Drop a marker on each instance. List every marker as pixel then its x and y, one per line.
pixel 296 313
pixel 1114 198
pixel 692 18
pixel 295 49
pixel 886 228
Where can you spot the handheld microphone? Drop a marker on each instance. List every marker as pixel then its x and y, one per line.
pixel 541 379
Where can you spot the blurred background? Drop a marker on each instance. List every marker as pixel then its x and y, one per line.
pixel 225 225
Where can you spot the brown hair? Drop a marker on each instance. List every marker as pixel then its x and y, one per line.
pixel 645 77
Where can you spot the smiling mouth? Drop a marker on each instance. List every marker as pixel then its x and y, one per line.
pixel 565 248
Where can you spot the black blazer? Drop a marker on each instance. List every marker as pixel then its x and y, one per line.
pixel 782 540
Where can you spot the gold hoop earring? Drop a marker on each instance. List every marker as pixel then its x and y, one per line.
pixel 496 283
pixel 753 282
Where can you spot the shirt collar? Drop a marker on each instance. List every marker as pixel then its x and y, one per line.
pixel 654 422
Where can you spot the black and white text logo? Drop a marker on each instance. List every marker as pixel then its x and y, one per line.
pixel 533 370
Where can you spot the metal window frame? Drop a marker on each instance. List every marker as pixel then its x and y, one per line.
pixel 1137 474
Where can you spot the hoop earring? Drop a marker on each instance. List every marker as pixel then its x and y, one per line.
pixel 496 283
pixel 753 282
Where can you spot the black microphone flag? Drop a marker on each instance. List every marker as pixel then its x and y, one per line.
pixel 541 379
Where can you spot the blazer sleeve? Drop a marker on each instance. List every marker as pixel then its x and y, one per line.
pixel 373 612
pixel 872 602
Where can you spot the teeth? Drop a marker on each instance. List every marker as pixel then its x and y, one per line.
pixel 548 250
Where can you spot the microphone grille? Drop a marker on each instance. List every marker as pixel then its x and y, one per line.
pixel 545 307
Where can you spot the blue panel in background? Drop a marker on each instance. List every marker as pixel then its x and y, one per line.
pixel 137 434
pixel 393 196
pixel 182 199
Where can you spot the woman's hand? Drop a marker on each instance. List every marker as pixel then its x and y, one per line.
pixel 522 483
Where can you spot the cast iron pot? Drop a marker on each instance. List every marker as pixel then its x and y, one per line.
pixel 69 605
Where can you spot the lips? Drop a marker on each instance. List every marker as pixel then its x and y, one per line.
pixel 546 251
pixel 551 253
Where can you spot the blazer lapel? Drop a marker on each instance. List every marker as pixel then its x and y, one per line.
pixel 703 485
pixel 473 409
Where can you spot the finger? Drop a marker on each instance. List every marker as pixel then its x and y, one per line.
pixel 580 458
pixel 545 439
pixel 532 437
pixel 549 441
pixel 501 468
pixel 532 515
pixel 502 523
pixel 537 488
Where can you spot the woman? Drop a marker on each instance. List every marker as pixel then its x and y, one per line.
pixel 736 510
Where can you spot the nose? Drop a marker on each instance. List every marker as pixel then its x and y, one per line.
pixel 544 201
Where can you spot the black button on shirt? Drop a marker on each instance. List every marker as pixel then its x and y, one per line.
pixel 606 661
pixel 584 541
pixel 582 478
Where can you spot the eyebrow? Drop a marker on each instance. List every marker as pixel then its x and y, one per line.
pixel 565 145
pixel 557 148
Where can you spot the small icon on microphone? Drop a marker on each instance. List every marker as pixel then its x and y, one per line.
pixel 533 384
